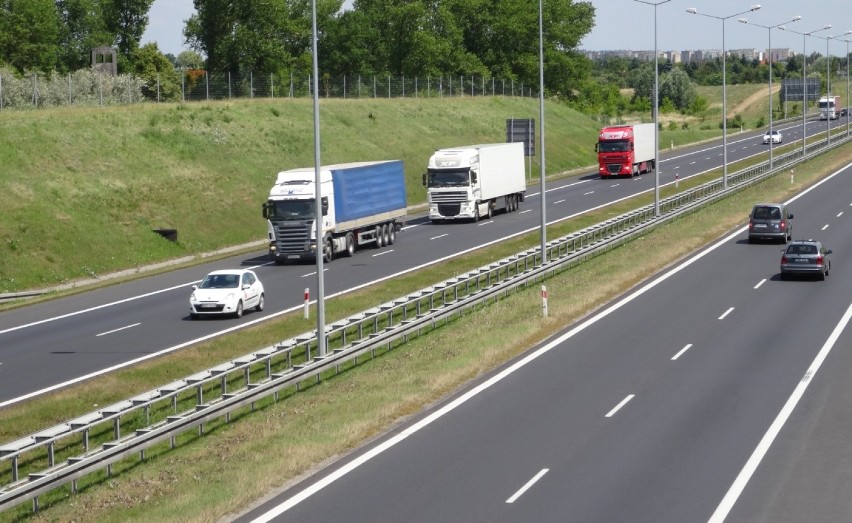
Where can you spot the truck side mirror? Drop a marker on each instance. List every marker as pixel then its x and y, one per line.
pixel 424 179
pixel 324 205
pixel 472 176
pixel 267 211
pixel 596 148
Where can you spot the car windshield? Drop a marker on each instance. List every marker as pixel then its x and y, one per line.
pixel 220 281
pixel 802 249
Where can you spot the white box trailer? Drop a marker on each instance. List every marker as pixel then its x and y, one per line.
pixel 466 183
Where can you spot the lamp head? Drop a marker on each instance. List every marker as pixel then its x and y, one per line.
pixel 755 7
pixel 742 20
pixel 692 10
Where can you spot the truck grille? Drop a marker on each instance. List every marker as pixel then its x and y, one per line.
pixel 291 237
pixel 613 168
pixel 449 209
pixel 449 197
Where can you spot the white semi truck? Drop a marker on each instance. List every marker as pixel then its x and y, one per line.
pixel 363 203
pixel 467 183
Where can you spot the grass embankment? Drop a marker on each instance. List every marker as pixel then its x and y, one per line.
pixel 237 463
pixel 82 188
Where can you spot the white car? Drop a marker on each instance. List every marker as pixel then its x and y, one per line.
pixel 775 137
pixel 226 292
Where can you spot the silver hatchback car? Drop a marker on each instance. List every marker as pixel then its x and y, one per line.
pixel 805 257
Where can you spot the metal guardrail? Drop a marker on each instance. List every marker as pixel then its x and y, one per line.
pixel 59 455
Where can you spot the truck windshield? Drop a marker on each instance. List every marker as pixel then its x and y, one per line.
pixel 826 105
pixel 292 210
pixel 449 177
pixel 618 146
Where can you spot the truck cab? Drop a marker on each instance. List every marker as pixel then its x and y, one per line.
pixel 290 212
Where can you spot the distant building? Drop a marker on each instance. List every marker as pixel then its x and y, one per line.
pixel 698 55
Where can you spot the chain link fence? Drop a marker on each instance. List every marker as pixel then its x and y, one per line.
pixel 92 88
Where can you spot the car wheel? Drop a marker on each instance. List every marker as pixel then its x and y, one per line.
pixel 260 303
pixel 239 312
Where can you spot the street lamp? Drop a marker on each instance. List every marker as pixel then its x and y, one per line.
pixel 847 86
pixel 694 11
pixel 805 80
pixel 828 84
pixel 541 129
pixel 769 29
pixel 656 109
pixel 317 182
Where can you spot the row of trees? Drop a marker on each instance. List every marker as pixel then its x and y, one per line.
pixel 483 38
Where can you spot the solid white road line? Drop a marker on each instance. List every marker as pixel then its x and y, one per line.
pixel 527 486
pixel 676 356
pixel 722 317
pixel 618 407
pixel 751 465
pixel 375 451
pixel 118 329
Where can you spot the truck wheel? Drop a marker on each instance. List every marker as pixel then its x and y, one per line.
pixel 391 233
pixel 327 250
pixel 386 234
pixel 350 244
pixel 476 212
pixel 380 238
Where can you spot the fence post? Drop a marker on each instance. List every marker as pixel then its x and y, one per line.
pixel 1 92
pixel 389 91
pixel 272 85
pixel 403 86
pixel 207 84
pixel 251 84
pixel 359 86
pixel 158 87
pixel 291 84
pixel 101 87
pixel 374 87
pixel 229 85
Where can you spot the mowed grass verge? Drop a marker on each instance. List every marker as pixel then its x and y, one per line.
pixel 237 463
pixel 82 188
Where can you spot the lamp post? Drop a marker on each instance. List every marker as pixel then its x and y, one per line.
pixel 828 84
pixel 541 129
pixel 317 182
pixel 847 85
pixel 769 29
pixel 805 80
pixel 656 109
pixel 694 11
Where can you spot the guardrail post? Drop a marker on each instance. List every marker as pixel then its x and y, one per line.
pixel 117 427
pixel 14 468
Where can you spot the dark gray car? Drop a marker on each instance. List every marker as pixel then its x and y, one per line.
pixel 770 221
pixel 805 257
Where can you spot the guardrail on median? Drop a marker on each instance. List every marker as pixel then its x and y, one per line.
pixel 60 455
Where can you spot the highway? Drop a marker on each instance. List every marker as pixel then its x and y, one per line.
pixel 52 344
pixel 716 391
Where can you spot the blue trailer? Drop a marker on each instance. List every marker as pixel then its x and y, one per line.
pixel 362 203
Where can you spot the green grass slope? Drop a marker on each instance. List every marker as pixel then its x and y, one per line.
pixel 82 188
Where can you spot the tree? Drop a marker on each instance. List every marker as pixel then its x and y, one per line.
pixel 188 60
pixel 677 87
pixel 82 29
pixel 262 36
pixel 162 81
pixel 126 20
pixel 29 32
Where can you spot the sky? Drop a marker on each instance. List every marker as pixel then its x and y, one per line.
pixel 628 24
